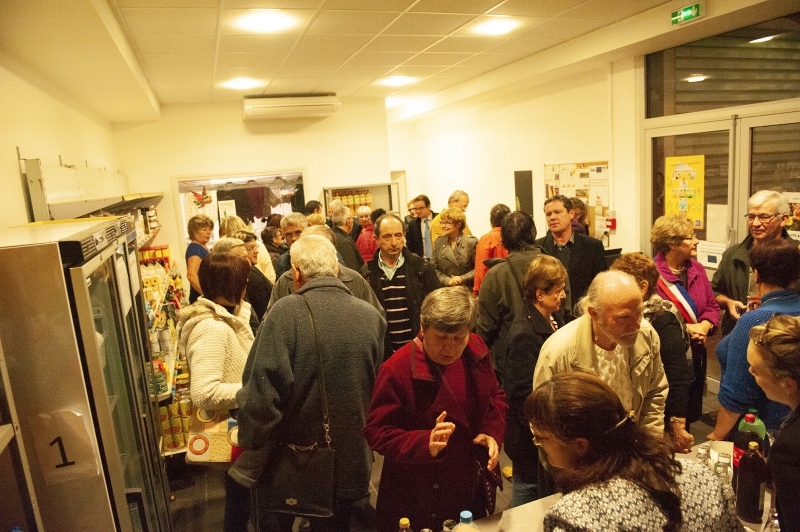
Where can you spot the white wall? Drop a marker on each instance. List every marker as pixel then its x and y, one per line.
pixel 478 149
pixel 43 128
pixel 348 148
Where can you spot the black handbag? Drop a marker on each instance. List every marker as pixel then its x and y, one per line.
pixel 299 480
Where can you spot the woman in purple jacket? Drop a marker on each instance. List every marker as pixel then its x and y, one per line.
pixel 684 282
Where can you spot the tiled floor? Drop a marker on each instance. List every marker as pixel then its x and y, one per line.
pixel 199 493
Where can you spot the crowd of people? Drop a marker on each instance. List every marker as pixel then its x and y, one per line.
pixel 439 348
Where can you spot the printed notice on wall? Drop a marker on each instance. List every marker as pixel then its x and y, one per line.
pixel 587 181
pixel 684 185
pixel 793 224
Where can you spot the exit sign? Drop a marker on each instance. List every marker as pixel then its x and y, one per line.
pixel 686 14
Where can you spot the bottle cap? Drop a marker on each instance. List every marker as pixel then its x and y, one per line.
pixel 753 445
pixel 466 516
pixel 750 418
pixel 404 522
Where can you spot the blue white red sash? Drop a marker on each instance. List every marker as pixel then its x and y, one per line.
pixel 677 294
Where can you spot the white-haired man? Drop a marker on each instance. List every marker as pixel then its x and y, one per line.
pixel 613 342
pixel 733 282
pixel 292 225
pixel 280 400
pixel 342 226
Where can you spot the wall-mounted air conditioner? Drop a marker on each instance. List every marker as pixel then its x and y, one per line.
pixel 289 106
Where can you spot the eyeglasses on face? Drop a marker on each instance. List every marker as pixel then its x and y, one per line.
pixel 446 223
pixel 251 248
pixel 763 218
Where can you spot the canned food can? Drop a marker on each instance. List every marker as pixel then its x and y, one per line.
pixel 185 407
pixel 163 413
pixel 173 409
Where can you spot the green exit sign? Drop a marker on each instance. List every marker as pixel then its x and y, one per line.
pixel 686 14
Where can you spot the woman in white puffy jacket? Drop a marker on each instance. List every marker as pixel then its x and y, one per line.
pixel 216 337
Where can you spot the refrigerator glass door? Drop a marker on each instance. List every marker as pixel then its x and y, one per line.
pixel 104 303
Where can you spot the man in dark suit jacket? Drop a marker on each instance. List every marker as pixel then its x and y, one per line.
pixel 342 225
pixel 415 241
pixel 582 255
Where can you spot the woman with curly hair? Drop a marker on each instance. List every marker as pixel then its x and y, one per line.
pixel 615 474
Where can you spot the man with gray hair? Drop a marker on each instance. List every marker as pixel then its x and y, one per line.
pixel 733 282
pixel 459 199
pixel 291 226
pixel 342 226
pixel 612 341
pixel 280 399
pixel 352 279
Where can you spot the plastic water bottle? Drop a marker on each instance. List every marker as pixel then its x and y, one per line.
pixel 749 430
pixel 465 525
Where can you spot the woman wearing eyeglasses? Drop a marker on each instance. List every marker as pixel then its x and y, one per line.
pixel 259 288
pixel 774 357
pixel 615 474
pixel 776 266
pixel 453 257
pixel 683 282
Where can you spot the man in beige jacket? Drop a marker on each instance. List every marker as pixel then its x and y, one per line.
pixel 612 341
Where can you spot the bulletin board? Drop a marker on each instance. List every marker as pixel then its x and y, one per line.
pixel 587 181
pixel 684 186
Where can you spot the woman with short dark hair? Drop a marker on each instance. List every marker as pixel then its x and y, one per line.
pixel 615 474
pixel 216 337
pixel 675 345
pixel 543 289
pixel 779 260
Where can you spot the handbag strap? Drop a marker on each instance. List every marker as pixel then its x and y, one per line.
pixel 326 423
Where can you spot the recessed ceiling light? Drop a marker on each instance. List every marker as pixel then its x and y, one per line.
pixel 397 81
pixel 496 25
pixel 266 21
pixel 762 39
pixel 242 83
pixel 696 78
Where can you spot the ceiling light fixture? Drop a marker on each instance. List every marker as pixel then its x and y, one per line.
pixel 242 83
pixel 266 21
pixel 496 25
pixel 695 78
pixel 762 39
pixel 397 81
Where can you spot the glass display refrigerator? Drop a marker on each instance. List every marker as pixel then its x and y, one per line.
pixel 76 350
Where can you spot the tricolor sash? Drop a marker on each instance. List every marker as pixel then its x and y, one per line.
pixel 677 294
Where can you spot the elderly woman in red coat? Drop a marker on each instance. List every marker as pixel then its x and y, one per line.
pixel 437 412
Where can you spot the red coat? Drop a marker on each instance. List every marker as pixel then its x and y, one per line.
pixel 407 399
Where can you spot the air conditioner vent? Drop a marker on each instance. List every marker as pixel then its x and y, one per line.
pixel 289 106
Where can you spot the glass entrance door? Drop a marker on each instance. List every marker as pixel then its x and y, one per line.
pixel 769 148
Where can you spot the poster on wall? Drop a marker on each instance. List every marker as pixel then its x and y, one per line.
pixel 684 185
pixel 793 224
pixel 226 208
pixel 201 202
pixel 587 181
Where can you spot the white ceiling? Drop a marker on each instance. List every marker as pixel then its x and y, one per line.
pixel 121 58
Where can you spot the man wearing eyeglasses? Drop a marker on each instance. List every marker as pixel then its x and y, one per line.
pixel 733 283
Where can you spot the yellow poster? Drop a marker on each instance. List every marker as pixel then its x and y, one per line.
pixel 684 183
